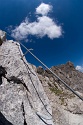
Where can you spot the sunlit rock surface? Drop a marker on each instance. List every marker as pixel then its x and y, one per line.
pixel 19 105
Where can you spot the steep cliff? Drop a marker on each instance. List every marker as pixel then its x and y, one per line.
pixel 22 97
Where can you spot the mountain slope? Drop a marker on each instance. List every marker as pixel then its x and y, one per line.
pixel 67 108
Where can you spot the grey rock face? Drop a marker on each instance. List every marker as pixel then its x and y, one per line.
pixel 22 100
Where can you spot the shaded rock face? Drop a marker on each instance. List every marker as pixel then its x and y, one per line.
pixel 40 70
pixel 67 108
pixel 2 35
pixel 22 97
pixel 3 120
pixel 1 41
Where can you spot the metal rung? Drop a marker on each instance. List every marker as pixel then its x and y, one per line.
pixel 26 52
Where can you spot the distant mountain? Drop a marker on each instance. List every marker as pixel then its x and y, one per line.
pixel 66 72
pixel 67 108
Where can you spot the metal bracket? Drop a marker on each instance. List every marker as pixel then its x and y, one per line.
pixel 26 52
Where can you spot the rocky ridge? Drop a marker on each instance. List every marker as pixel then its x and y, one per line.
pixel 67 108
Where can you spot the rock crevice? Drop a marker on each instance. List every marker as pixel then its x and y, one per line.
pixel 13 95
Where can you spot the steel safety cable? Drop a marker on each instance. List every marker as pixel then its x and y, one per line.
pixel 72 90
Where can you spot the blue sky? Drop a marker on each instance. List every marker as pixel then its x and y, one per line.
pixel 65 13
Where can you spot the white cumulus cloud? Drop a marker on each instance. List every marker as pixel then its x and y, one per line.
pixel 43 9
pixel 43 26
pixel 80 68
